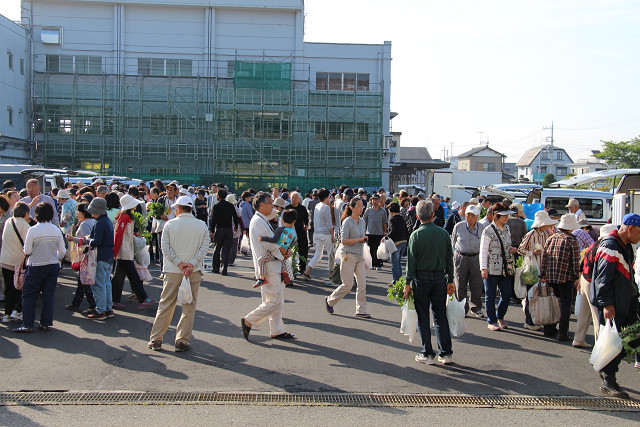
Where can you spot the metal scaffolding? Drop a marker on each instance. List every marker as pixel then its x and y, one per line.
pixel 207 129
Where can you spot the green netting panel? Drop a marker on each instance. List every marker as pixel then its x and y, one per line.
pixel 262 75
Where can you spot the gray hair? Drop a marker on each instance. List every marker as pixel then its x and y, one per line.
pixel 424 210
pixel 294 193
pixel 259 199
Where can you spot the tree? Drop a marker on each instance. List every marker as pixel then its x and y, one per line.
pixel 624 154
pixel 548 179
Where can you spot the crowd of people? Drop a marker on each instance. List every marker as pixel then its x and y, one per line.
pixel 469 250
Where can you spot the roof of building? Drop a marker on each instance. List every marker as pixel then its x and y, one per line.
pixel 528 157
pixel 477 150
pixel 413 154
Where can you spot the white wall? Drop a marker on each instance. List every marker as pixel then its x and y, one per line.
pixel 13 92
pixel 458 177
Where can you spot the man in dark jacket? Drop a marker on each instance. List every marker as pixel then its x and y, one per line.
pixel 101 240
pixel 222 224
pixel 615 290
pixel 302 225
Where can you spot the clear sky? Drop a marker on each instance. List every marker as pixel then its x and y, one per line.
pixel 466 71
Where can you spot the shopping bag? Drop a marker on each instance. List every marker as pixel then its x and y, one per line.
pixel 607 347
pixel 20 271
pixel 366 254
pixel 382 253
pixel 519 289
pixel 339 254
pixel 245 245
pixel 409 323
pixel 576 308
pixel 455 316
pixel 184 292
pixel 88 268
pixel 139 243
pixel 143 272
pixel 391 247
pixel 530 270
pixel 142 257
pixel 77 254
pixel 543 305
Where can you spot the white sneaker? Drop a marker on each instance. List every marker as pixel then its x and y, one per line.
pixel 532 327
pixel 445 360
pixel 427 360
pixel 16 316
pixel 7 319
pixel 161 276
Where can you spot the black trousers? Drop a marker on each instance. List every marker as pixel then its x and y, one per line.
pixel 621 321
pixel 374 241
pixel 223 240
pixel 126 268
pixel 303 251
pixel 564 291
pixel 81 292
pixel 12 296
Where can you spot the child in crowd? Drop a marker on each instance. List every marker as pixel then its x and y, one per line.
pixel 285 237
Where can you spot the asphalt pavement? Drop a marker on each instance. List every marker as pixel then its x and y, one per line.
pixel 331 353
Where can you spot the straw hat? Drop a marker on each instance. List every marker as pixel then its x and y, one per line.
pixel 568 222
pixel 128 202
pixel 542 218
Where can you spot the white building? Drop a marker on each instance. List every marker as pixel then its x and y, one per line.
pixel 588 165
pixel 14 73
pixel 209 89
pixel 539 161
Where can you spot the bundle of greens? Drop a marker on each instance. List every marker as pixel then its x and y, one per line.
pixel 396 292
pixel 629 334
pixel 157 210
pixel 140 224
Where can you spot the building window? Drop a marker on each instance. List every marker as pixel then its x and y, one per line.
pixel 543 170
pixel 10 114
pixel 165 67
pixel 69 64
pixel 22 66
pixel 561 171
pixel 558 155
pixel 10 59
pixel 341 131
pixel 50 35
pixel 347 82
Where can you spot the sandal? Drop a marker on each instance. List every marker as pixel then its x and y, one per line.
pixel 283 336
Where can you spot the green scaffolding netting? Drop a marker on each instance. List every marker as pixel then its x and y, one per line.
pixel 262 75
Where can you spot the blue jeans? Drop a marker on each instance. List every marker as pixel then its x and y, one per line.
pixel 396 267
pixel 42 278
pixel 102 287
pixel 430 291
pixel 491 286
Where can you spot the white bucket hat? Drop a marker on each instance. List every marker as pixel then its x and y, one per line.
pixel 231 199
pixel 606 229
pixel 455 205
pixel 63 194
pixel 568 222
pixel 542 218
pixel 128 202
pixel 280 202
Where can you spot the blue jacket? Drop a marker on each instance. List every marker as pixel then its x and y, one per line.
pixel 101 237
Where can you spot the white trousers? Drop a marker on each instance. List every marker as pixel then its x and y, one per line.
pixel 583 316
pixel 271 307
pixel 323 242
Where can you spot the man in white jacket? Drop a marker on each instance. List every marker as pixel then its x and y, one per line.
pixel 185 240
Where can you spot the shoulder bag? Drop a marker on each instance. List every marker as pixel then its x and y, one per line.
pixel 508 261
pixel 20 270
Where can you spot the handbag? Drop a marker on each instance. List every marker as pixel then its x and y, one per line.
pixel 20 270
pixel 508 263
pixel 76 257
pixel 543 305
pixel 88 268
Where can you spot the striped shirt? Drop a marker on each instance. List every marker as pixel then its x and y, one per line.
pixel 44 244
pixel 260 227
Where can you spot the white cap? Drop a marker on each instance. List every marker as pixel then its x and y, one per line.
pixel 184 201
pixel 472 209
pixel 184 191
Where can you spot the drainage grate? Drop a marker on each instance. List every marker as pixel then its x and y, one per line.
pixel 314 399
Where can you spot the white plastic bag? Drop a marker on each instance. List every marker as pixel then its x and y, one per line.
pixel 576 308
pixel 142 257
pixel 519 289
pixel 530 270
pixel 608 346
pixel 339 254
pixel 139 243
pixel 184 292
pixel 245 245
pixel 409 324
pixel 455 316
pixel 391 247
pixel 366 254
pixel 382 253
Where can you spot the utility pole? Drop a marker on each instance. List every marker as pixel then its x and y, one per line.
pixel 551 155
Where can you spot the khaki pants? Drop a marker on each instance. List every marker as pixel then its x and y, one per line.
pixel 271 307
pixel 167 306
pixel 583 316
pixel 352 266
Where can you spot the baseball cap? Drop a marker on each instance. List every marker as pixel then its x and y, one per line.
pixel 184 201
pixel 631 219
pixel 473 209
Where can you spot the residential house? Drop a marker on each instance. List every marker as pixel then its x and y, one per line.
pixel 539 161
pixel 414 166
pixel 481 159
pixel 590 164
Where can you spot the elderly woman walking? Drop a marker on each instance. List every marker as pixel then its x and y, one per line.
pixel 44 245
pixel 495 255
pixel 13 236
pixel 352 263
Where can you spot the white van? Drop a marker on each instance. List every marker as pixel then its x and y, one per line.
pixel 596 205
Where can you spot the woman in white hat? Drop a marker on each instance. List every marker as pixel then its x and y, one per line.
pixel 123 250
pixel 534 242
pixel 68 215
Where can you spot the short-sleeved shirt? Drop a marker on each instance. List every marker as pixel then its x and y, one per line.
pixel 353 230
pixel 287 237
pixel 375 220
